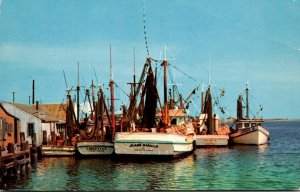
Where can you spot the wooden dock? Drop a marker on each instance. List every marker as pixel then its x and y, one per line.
pixel 13 160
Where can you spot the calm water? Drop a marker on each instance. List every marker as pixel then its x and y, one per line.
pixel 270 167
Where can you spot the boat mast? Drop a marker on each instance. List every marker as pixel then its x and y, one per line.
pixel 202 99
pixel 93 96
pixel 134 71
pixel 78 89
pixel 240 107
pixel 166 117
pixel 247 101
pixel 112 96
pixel 166 112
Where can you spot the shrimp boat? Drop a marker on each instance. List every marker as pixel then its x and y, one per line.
pixel 248 131
pixel 153 135
pixel 97 137
pixel 209 132
pixel 98 140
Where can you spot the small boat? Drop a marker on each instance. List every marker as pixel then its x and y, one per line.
pixel 248 131
pixel 56 150
pixel 154 136
pixel 58 147
pixel 64 144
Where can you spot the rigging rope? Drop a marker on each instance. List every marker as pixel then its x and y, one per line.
pixel 183 73
pixel 121 90
pixel 144 20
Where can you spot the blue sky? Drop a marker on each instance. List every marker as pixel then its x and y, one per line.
pixel 253 41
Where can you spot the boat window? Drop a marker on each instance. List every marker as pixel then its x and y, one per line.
pixel 173 121
pixel 239 125
pixel 253 124
pixel 247 124
pixel 259 124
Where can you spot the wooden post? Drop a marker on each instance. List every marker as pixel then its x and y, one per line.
pixel 22 140
pixel 11 148
pixel 23 147
pixel 53 138
pixel 22 137
pixel 33 137
pixel 44 137
pixel 26 145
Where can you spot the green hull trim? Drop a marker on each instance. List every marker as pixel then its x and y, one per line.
pixel 151 142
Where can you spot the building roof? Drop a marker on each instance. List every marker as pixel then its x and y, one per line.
pixel 1 106
pixel 45 112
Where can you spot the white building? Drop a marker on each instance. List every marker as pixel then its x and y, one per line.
pixel 38 118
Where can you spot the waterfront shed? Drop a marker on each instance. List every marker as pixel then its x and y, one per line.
pixel 50 118
pixel 9 128
pixel 29 122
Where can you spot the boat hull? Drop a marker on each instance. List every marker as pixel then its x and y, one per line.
pixel 152 144
pixel 57 150
pixel 95 148
pixel 211 140
pixel 252 136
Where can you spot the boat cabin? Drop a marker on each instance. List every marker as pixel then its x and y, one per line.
pixel 246 123
pixel 177 116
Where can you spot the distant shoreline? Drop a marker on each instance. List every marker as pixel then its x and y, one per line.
pixel 269 120
pixel 282 120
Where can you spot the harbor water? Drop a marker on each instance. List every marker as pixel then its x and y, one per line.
pixel 275 166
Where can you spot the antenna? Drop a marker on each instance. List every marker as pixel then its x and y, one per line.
pixel 95 74
pixel 133 60
pixel 65 79
pixel 165 52
pixel 209 67
pixel 110 63
pixel 160 53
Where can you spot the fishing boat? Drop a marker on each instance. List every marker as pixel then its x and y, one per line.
pixel 209 132
pixel 248 131
pixel 149 134
pixel 98 140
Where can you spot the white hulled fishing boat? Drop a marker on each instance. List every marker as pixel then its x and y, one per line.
pixel 97 137
pixel 154 135
pixel 98 140
pixel 248 131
